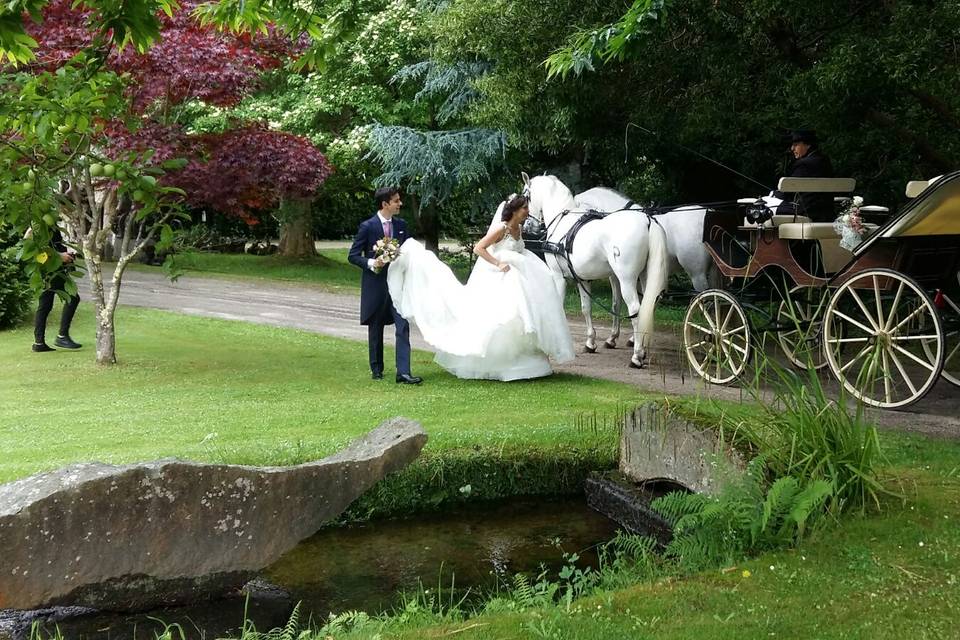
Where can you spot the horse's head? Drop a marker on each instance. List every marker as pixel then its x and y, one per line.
pixel 548 197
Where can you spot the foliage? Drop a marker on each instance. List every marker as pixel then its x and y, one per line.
pixel 15 294
pixel 803 433
pixel 250 169
pixel 607 43
pixel 745 519
pixel 432 164
pixel 727 78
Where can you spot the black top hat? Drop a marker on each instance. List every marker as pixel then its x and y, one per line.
pixel 808 136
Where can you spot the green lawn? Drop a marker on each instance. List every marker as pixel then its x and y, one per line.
pixel 233 392
pixel 228 391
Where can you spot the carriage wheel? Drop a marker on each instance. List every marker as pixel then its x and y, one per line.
pixel 951 333
pixel 800 312
pixel 877 338
pixel 716 336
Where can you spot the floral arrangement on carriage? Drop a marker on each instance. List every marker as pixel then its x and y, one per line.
pixel 849 224
pixel 386 250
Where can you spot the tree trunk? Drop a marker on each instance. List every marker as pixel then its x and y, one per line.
pixel 296 229
pixel 106 335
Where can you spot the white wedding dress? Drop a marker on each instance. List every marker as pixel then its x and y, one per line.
pixel 499 326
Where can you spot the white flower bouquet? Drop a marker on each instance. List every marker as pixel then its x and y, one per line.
pixel 386 250
pixel 849 224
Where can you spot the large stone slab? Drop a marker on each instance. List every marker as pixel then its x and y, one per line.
pixel 168 532
pixel 657 444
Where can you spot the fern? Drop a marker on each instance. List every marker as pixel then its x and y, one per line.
pixel 747 517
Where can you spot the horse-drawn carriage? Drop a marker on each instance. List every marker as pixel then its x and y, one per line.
pixel 884 316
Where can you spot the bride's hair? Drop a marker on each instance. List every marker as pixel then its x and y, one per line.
pixel 514 202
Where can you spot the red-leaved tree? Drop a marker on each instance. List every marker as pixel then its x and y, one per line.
pixel 244 171
pixel 121 181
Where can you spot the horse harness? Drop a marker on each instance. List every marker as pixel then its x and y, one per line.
pixel 564 246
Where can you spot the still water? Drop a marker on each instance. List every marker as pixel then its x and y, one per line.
pixel 366 567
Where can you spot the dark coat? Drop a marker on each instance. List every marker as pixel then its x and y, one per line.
pixel 375 302
pixel 818 206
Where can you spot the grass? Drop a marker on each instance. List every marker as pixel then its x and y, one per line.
pixel 331 271
pixel 224 391
pixel 232 392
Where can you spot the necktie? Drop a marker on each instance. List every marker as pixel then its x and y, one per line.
pixel 387 229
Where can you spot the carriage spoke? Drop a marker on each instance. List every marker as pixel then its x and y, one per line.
pixel 903 373
pixel 716 311
pixel 700 328
pixel 706 315
pixel 854 322
pixel 886 373
pixel 910 317
pixel 699 344
pixel 922 363
pixel 879 303
pixel 952 353
pixel 844 340
pixel 733 344
pixel 866 313
pixel 893 308
pixel 904 338
pixel 726 321
pixel 862 353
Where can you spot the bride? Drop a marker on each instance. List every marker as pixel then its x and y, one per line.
pixel 501 325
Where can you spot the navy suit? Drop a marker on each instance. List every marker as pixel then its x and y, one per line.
pixel 376 307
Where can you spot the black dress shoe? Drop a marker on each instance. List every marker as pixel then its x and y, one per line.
pixel 377 375
pixel 42 347
pixel 66 342
pixel 406 378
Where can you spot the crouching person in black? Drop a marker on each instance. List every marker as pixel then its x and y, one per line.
pixel 58 283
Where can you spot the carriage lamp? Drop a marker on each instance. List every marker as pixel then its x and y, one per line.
pixel 758 212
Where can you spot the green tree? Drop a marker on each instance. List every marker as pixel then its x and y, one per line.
pixel 878 80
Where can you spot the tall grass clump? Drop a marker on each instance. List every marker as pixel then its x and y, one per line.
pixel 803 433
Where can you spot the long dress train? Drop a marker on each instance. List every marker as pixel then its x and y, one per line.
pixel 499 326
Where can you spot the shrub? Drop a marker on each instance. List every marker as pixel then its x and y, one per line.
pixel 15 294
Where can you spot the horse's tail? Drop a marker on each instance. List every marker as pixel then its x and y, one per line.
pixel 655 280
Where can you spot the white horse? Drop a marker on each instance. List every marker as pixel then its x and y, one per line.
pixel 620 246
pixel 683 228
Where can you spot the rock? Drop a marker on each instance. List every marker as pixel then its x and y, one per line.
pixel 140 536
pixel 657 444
pixel 628 503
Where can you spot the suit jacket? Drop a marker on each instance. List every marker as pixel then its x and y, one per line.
pixel 818 206
pixel 375 302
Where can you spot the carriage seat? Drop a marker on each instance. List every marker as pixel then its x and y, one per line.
pixel 813 230
pixel 806 231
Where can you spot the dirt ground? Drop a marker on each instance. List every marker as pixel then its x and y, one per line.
pixel 313 309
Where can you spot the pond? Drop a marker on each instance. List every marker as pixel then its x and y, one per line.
pixel 366 567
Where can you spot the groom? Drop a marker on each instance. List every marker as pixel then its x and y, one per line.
pixel 376 307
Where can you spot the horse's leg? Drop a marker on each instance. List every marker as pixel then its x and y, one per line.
pixel 590 346
pixel 616 300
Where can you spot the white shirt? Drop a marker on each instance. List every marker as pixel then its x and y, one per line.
pixel 383 221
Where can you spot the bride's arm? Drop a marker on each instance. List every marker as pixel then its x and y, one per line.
pixel 496 235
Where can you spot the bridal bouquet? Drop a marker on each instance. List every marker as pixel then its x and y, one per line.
pixel 850 225
pixel 387 250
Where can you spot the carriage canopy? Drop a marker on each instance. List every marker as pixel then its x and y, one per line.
pixel 934 212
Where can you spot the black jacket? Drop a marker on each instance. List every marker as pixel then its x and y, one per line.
pixel 818 206
pixel 375 302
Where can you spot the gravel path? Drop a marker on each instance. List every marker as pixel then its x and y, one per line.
pixel 314 309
